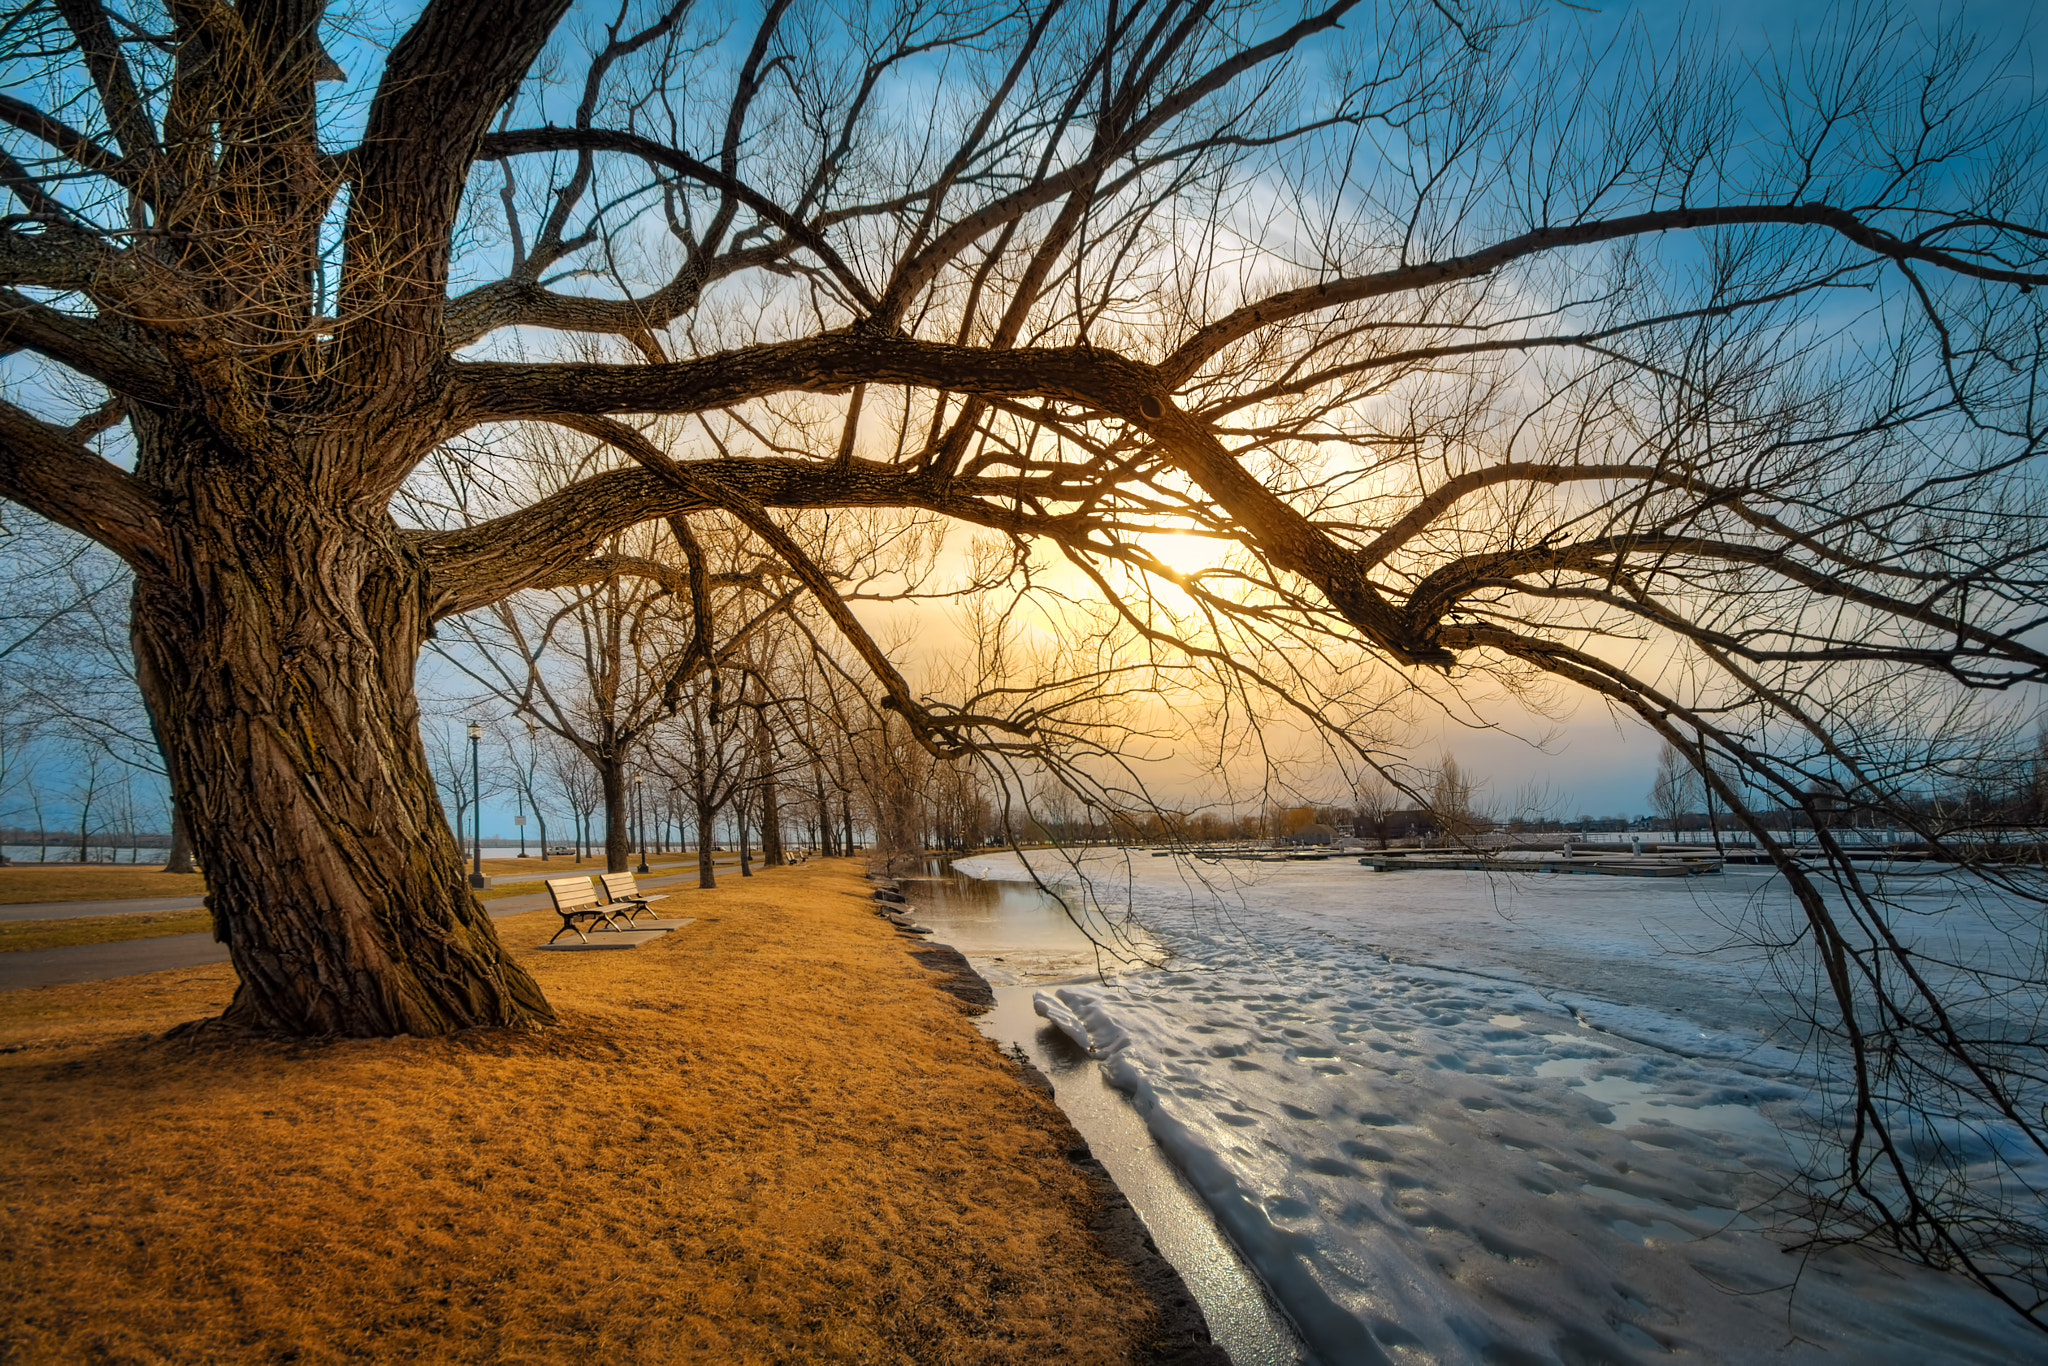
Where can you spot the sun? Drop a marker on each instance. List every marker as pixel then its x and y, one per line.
pixel 1184 553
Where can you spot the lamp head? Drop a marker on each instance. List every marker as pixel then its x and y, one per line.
pixel 476 732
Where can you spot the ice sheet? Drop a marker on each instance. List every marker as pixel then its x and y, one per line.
pixel 1456 1118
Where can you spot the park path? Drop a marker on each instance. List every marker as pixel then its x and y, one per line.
pixel 138 905
pixel 78 910
pixel 97 962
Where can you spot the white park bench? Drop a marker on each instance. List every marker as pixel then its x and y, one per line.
pixel 625 893
pixel 575 899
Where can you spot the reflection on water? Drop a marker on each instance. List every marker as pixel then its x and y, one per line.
pixel 1018 935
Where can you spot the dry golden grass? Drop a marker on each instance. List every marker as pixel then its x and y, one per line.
pixel 17 935
pixel 22 882
pixel 764 1138
pixel 559 865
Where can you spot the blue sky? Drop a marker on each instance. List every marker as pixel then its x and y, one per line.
pixel 1593 761
pixel 1595 764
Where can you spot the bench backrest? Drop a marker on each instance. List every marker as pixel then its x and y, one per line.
pixel 571 893
pixel 620 886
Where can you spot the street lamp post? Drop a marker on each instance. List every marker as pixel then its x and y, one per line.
pixel 640 814
pixel 476 794
pixel 536 806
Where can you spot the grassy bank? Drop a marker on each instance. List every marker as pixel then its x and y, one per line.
pixel 764 1138
pixel 17 935
pixel 24 882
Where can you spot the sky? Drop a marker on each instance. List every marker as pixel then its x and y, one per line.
pixel 1598 763
pixel 1588 761
pixel 1593 761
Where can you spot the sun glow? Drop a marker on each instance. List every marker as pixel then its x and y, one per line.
pixel 1183 552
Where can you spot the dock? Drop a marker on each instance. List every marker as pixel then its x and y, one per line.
pixel 1604 863
pixel 1598 865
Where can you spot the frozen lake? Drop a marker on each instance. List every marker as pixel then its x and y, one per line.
pixel 1455 1117
pixel 60 852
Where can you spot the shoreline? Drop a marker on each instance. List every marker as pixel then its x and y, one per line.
pixel 763 1137
pixel 1182 1337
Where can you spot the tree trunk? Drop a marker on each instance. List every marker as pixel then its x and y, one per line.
pixel 180 860
pixel 739 820
pixel 85 814
pixel 771 825
pixel 611 772
pixel 275 644
pixel 707 875
pixel 771 814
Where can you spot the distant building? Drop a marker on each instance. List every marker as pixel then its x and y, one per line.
pixel 1381 827
pixel 1313 833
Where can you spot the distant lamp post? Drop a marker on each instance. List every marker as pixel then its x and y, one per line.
pixel 640 814
pixel 528 774
pixel 519 798
pixel 476 793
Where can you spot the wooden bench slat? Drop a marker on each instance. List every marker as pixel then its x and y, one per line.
pixel 575 899
pixel 626 895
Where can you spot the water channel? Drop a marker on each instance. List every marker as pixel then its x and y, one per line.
pixel 1024 941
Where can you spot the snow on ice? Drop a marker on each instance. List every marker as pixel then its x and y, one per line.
pixel 1456 1117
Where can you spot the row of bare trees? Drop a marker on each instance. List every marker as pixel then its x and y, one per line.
pixel 685 669
pixel 76 746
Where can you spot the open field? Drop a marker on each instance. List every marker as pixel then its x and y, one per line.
pixel 71 882
pixel 556 865
pixel 766 1137
pixel 19 935
pixel 560 865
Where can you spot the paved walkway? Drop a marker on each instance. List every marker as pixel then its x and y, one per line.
pixel 75 910
pixel 96 962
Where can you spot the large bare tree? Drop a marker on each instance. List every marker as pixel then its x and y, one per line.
pixel 1469 343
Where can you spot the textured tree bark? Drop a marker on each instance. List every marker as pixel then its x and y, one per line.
pixel 739 820
pixel 707 875
pixel 771 813
pixel 275 643
pixel 771 825
pixel 611 773
pixel 180 859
